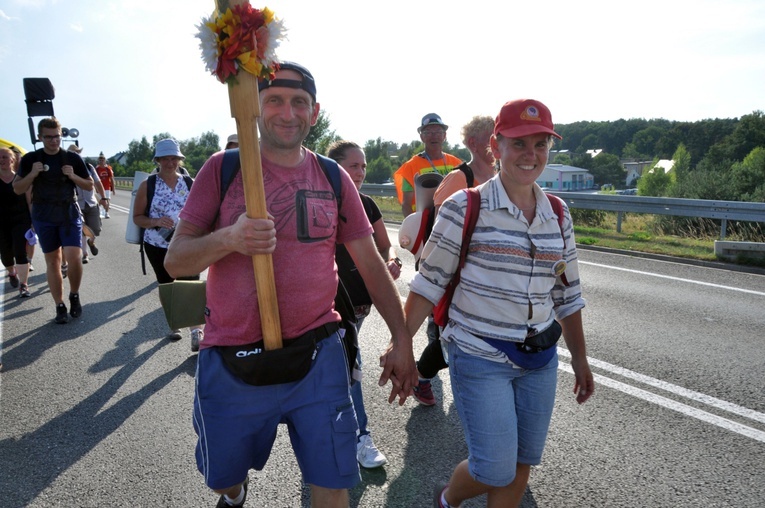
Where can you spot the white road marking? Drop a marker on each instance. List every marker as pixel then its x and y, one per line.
pixel 724 423
pixel 669 277
pixel 685 409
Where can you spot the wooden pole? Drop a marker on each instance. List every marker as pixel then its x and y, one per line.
pixel 245 109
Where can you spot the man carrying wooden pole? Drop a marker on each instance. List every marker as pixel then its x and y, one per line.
pixel 236 422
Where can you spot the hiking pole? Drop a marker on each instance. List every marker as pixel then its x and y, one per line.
pixel 238 31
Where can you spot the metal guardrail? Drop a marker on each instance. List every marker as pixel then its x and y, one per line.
pixel 708 209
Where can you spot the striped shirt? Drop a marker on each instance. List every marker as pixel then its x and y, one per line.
pixel 507 284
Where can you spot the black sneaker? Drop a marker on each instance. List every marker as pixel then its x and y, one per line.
pixel 14 278
pixel 24 291
pixel 93 248
pixel 74 302
pixel 61 317
pixel 222 501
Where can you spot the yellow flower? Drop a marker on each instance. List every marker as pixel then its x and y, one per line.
pixel 249 62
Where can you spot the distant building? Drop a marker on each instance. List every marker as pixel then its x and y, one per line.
pixel 665 165
pixel 561 177
pixel 636 169
pixel 120 157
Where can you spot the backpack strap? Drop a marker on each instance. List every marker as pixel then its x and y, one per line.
pixel 332 172
pixel 469 177
pixel 151 185
pixel 229 169
pixel 557 205
pixel 473 209
pixel 471 218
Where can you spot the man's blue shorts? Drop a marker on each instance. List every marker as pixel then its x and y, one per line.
pixel 54 235
pixel 236 423
pixel 505 413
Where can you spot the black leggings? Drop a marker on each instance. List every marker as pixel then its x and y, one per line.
pixel 432 357
pixel 156 257
pixel 13 243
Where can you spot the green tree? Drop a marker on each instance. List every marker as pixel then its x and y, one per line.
pixel 654 181
pixel 320 136
pixel 748 176
pixel 645 140
pixel 375 148
pixel 607 168
pixel 379 170
pixel 198 150
pixel 630 152
pixel 139 151
pixel 563 158
pixel 706 182
pixel 681 159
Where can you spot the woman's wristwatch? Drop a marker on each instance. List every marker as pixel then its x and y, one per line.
pixel 397 261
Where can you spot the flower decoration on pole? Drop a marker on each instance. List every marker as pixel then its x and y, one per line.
pixel 237 37
pixel 240 37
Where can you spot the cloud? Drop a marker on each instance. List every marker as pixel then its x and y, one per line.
pixel 6 17
pixel 76 27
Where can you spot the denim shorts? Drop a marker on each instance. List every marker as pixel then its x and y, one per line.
pixel 54 235
pixel 236 423
pixel 505 413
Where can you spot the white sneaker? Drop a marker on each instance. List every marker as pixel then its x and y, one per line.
pixel 367 453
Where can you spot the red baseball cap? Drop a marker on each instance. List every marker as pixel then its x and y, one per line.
pixel 524 117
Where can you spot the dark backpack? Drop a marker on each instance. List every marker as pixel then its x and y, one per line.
pixel 151 185
pixel 343 305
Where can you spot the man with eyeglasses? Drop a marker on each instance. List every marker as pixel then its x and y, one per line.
pixel 106 175
pixel 54 174
pixel 433 159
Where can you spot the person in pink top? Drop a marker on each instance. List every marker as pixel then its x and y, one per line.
pixel 236 422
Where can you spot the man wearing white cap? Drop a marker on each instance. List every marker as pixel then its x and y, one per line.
pixel 232 142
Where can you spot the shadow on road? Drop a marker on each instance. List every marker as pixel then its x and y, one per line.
pixel 33 461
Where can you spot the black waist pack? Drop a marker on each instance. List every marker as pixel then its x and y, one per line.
pixel 543 340
pixel 255 366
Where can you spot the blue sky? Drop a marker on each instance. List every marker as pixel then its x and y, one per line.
pixel 123 69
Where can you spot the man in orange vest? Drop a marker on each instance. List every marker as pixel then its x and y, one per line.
pixel 433 159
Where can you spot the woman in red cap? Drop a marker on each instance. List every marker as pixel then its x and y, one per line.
pixel 519 289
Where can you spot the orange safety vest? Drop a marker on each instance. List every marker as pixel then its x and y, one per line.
pixel 421 164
